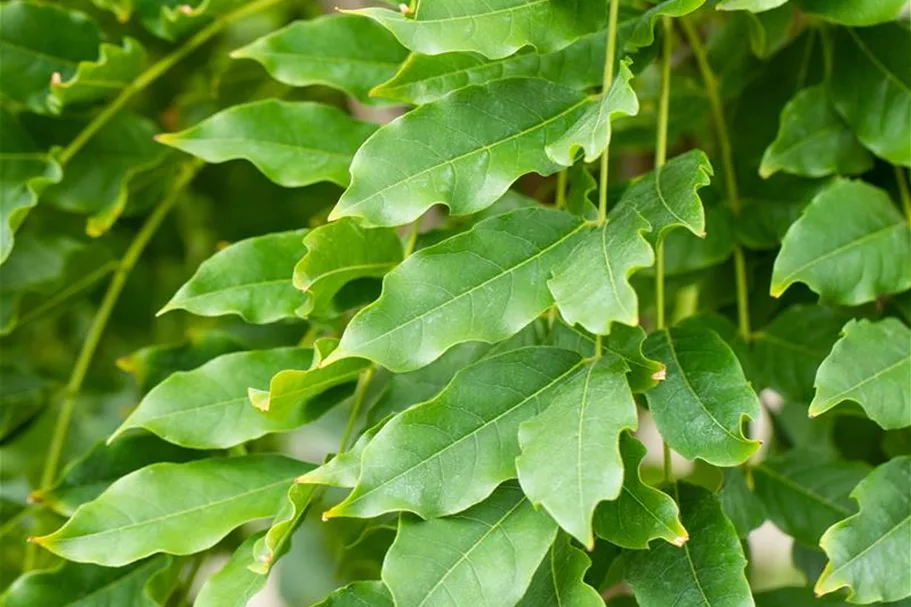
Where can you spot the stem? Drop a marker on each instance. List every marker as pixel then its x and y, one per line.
pixel 903 192
pixel 727 159
pixel 668 464
pixel 359 395
pixel 412 237
pixel 155 71
pixel 605 88
pixel 560 201
pixel 661 156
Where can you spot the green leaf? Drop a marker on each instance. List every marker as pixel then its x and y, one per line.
pixel 83 584
pixel 868 551
pixel 754 6
pixel 24 173
pixel 641 513
pixel 173 19
pixel 115 68
pixel 279 138
pixel 591 286
pixel 474 439
pixel 344 469
pixel 591 131
pixel 739 503
pixel 771 205
pixel 96 179
pixel 274 544
pixel 426 78
pixel 700 406
pixel 685 253
pixel 846 12
pixel 250 278
pixel 145 512
pixel 338 253
pixel 459 560
pixel 641 32
pixel 849 246
pixel 482 285
pixel 708 570
pixel 463 151
pixel 493 28
pixel 359 594
pixel 570 457
pixel 24 395
pixel 804 492
pixel 813 140
pixel 558 580
pixel 346 52
pixel 207 408
pixel 869 365
pixel 788 350
pixel 234 584
pixel 872 91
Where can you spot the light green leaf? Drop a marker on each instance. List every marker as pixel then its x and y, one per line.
pixel 145 512
pixel 234 584
pixel 641 32
pixel 486 555
pixel 493 28
pixel 805 492
pixel 115 68
pixel 338 253
pixel 207 408
pixel 346 52
pixel 275 543
pixel 872 90
pixel 591 286
pixel 482 285
pixel 250 278
pixel 77 584
pixel 641 513
pixel 789 349
pixel 739 503
pixel 344 469
pixel 558 580
pixel 869 365
pixel 426 78
pixel 570 457
pixel 700 406
pixel 474 439
pixel 868 552
pixel 858 14
pixel 591 131
pixel 754 6
pixel 849 246
pixel 463 151
pixel 24 173
pixel 359 594
pixel 280 138
pixel 707 571
pixel 813 140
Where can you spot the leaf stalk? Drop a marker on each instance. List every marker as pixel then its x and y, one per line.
pixel 609 59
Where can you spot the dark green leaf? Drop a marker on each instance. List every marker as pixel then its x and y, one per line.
pixel 24 395
pixel 359 594
pixel 558 580
pixel 739 503
pixel 846 12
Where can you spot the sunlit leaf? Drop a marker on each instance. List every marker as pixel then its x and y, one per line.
pixel 234 584
pixel 754 6
pixel 277 538
pixel 846 12
pixel 359 594
pixel 642 31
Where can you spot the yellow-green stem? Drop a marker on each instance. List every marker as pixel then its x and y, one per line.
pixel 155 71
pixel 359 396
pixel 903 192
pixel 727 160
pixel 413 234
pixel 661 156
pixel 609 59
pixel 560 200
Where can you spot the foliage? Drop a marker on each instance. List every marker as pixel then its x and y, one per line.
pixel 427 305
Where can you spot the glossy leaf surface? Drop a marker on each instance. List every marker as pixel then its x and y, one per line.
pixel 234 585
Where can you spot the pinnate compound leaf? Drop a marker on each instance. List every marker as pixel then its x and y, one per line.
pixel 857 14
pixel 208 408
pixel 486 555
pixel 482 285
pixel 869 551
pixel 463 150
pixel 293 143
pixel 493 28
pixel 708 570
pixel 813 140
pixel 474 439
pixel 362 593
pixel 850 246
pixel 234 584
pixel 872 91
pixel 90 585
pixel 869 365
pixel 591 131
pixel 701 404
pixel 116 67
pixel 250 278
pixel 804 492
pixel 338 253
pixel 147 512
pixel 570 457
pixel 346 52
pixel 559 579
pixel 640 513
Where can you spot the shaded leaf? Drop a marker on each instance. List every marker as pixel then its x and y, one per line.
pixel 685 253
pixel 115 68
pixel 641 32
pixel 142 514
pixel 739 503
pixel 771 206
pixel 234 584
pixel 280 138
pixel 487 555
pixel 849 246
pixel 24 395
pixel 250 278
pixel 869 365
pixel 274 544
pixel 359 594
pixel 173 19
pixel 868 552
pixel 700 406
pixel 558 580
pixel 845 12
